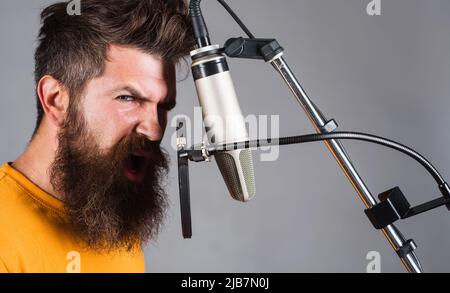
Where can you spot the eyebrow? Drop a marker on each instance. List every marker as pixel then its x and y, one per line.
pixel 133 91
pixel 137 94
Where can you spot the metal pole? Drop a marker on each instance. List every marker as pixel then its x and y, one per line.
pixel 392 234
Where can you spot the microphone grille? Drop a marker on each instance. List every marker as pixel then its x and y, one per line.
pixel 241 187
pixel 247 168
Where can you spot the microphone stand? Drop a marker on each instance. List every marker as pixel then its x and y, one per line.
pixel 321 124
pixel 272 52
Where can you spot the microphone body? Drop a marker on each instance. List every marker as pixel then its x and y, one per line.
pixel 223 119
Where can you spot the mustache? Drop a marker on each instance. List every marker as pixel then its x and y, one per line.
pixel 138 144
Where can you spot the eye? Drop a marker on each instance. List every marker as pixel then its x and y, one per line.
pixel 126 98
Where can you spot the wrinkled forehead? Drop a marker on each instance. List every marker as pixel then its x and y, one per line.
pixel 127 62
pixel 149 75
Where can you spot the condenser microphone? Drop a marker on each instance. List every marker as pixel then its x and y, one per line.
pixel 221 112
pixel 223 119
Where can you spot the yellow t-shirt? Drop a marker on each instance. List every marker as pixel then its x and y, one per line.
pixel 35 236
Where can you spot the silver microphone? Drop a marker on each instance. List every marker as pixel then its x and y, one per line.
pixel 223 119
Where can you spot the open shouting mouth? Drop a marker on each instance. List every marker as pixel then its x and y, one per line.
pixel 135 166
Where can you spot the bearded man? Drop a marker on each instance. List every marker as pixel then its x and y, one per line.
pixel 87 193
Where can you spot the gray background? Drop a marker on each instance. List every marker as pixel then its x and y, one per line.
pixel 386 75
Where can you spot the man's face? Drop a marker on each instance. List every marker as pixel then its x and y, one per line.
pixel 133 95
pixel 109 166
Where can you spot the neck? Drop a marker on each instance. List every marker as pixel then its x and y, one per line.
pixel 34 163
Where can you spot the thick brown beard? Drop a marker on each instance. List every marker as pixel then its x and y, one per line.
pixel 106 210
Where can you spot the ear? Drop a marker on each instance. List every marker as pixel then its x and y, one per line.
pixel 54 99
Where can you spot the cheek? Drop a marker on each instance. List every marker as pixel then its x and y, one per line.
pixel 110 122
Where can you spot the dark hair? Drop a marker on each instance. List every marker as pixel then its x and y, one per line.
pixel 72 48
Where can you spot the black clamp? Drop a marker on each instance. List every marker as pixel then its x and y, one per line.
pixel 198 153
pixel 392 207
pixel 266 49
pixel 408 247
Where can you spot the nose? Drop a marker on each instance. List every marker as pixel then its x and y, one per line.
pixel 149 124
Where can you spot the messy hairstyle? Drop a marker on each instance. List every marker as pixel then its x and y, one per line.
pixel 72 48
